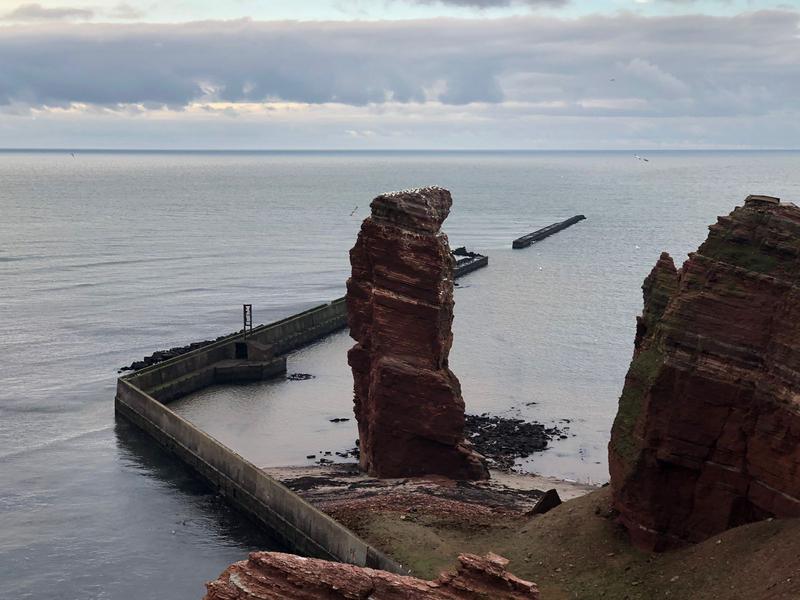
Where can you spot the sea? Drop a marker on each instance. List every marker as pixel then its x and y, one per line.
pixel 106 257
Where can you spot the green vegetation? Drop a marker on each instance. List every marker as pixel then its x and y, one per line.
pixel 577 552
pixel 641 375
pixel 741 255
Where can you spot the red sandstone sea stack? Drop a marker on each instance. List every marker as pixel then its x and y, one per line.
pixel 707 436
pixel 277 576
pixel 400 309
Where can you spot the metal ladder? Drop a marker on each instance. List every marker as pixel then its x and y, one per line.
pixel 247 320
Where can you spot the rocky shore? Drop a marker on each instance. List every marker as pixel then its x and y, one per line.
pixel 339 489
pixel 577 550
pixel 500 440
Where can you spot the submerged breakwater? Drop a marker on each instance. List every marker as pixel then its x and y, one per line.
pixel 545 232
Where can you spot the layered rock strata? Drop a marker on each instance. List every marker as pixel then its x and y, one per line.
pixel 408 402
pixel 277 576
pixel 707 436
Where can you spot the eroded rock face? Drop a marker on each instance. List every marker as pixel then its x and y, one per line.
pixel 707 436
pixel 400 309
pixel 277 576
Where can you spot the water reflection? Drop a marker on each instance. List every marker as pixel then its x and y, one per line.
pixel 139 453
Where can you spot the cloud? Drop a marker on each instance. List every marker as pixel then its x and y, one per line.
pixel 497 3
pixel 124 12
pixel 617 66
pixel 652 74
pixel 26 13
pixel 389 125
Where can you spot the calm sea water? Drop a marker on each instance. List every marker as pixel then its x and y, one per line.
pixel 106 257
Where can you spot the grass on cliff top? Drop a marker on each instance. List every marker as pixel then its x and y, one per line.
pixel 576 551
pixel 745 256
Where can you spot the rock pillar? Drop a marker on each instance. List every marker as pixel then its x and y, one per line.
pixel 400 309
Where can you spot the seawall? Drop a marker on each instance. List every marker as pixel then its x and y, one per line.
pixel 297 524
pixel 142 396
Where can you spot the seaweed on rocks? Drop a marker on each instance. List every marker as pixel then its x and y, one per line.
pixel 299 376
pixel 502 440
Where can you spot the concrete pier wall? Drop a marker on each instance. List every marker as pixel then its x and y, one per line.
pixel 196 370
pixel 298 525
pixel 141 398
pixel 301 329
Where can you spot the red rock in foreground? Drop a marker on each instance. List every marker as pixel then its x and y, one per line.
pixel 277 576
pixel 707 436
pixel 400 309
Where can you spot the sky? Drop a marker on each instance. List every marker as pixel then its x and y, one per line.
pixel 400 74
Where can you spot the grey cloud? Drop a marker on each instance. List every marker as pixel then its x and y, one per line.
pixel 652 74
pixel 620 65
pixel 36 12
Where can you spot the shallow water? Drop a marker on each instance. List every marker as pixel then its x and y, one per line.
pixel 109 256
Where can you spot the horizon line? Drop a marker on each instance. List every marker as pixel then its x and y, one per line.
pixel 386 150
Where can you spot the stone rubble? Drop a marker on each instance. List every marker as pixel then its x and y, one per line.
pixel 278 576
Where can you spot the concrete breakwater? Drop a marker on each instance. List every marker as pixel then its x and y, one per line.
pixel 298 525
pixel 540 234
pixel 142 398
pixel 231 358
pixel 283 336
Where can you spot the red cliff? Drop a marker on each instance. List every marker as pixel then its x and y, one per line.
pixel 707 436
pixel 276 576
pixel 400 309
